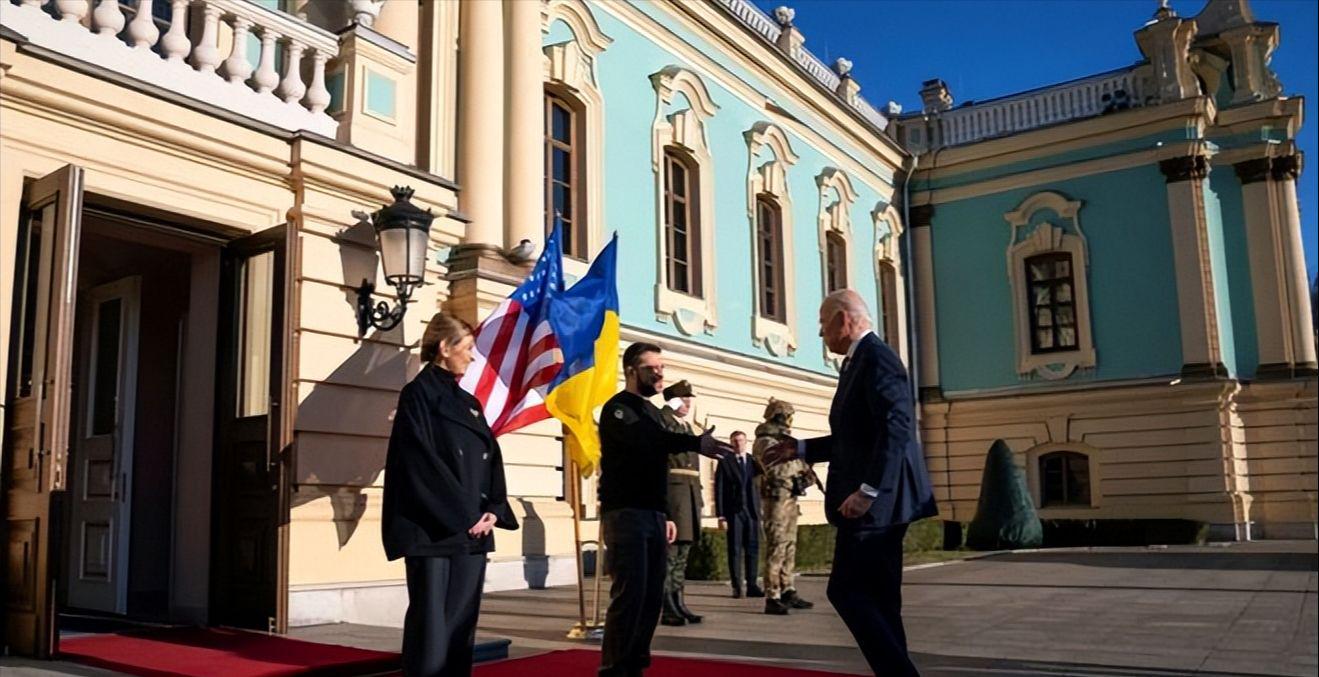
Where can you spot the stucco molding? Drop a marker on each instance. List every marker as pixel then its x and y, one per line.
pixel 1034 481
pixel 570 73
pixel 770 177
pixel 580 21
pixel 684 130
pixel 1025 241
pixel 888 230
pixel 836 197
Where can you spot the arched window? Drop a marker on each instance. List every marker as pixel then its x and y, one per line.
pixel 1064 479
pixel 835 262
pixel 769 258
pixel 564 173
pixel 1051 303
pixel 682 223
pixel 888 311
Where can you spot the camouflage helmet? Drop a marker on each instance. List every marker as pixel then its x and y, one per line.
pixel 778 409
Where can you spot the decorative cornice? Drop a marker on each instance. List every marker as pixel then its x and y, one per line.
pixel 1253 171
pixel 1185 168
pixel 1287 167
pixel 922 216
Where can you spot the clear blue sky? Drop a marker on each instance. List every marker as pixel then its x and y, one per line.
pixel 988 48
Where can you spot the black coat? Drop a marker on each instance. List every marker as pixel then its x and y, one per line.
pixel 444 470
pixel 734 488
pixel 873 441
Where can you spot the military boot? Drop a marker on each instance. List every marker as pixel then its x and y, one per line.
pixel 671 615
pixel 792 599
pixel 754 590
pixel 775 607
pixel 680 597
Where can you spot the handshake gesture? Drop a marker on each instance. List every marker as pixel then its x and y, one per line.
pixel 713 448
pixel 783 451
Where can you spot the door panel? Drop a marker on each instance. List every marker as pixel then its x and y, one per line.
pixel 38 398
pixel 249 472
pixel 101 485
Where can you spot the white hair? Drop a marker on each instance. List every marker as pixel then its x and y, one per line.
pixel 849 302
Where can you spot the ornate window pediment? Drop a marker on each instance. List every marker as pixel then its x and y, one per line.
pixel 769 210
pixel 1047 261
pixel 680 153
pixel 889 276
pixel 834 230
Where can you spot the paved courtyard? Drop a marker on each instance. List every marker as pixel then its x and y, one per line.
pixel 1241 609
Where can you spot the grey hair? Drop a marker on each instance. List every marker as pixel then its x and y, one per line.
pixel 849 302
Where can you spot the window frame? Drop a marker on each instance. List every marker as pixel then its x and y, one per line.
pixel 1053 306
pixel 1067 460
pixel 574 226
pixel 768 204
pixel 691 209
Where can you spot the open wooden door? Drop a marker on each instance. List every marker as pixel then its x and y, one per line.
pixel 39 399
pixel 250 474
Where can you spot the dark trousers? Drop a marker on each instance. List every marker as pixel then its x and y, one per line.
pixel 635 544
pixel 444 598
pixel 866 589
pixel 743 548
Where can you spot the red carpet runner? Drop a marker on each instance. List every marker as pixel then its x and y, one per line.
pixel 583 663
pixel 217 652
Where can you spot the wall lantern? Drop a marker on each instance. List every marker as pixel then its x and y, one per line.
pixel 402 235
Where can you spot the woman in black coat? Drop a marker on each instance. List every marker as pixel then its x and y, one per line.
pixel 444 494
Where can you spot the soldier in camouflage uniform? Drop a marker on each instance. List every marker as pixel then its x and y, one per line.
pixel 684 505
pixel 780 487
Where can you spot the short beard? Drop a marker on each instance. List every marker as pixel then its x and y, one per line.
pixel 647 389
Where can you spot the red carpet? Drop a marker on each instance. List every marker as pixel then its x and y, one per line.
pixel 218 652
pixel 583 663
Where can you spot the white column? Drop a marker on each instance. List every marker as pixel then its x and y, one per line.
pixel 175 44
pixel 1285 171
pixel 206 54
pixel 524 175
pixel 237 69
pixel 481 120
pixel 142 29
pixel 1196 306
pixel 1268 281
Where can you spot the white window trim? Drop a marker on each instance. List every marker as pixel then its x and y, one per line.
pixel 834 215
pixel 771 178
pixel 888 234
pixel 685 130
pixel 570 66
pixel 1049 237
pixel 1033 479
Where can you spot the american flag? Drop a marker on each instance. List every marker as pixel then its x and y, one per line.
pixel 517 354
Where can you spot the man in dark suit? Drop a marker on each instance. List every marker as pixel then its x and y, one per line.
pixel 877 481
pixel 737 504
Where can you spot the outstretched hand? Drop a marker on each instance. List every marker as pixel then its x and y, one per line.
pixel 783 451
pixel 712 448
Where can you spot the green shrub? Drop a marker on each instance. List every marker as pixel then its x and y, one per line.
pixel 1070 533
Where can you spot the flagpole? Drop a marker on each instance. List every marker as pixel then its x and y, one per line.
pixel 583 629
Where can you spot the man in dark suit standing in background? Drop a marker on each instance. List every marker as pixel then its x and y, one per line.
pixel 737 504
pixel 877 481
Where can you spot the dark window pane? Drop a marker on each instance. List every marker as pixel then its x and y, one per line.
pixel 563 200
pixel 561 123
pixel 562 164
pixel 105 393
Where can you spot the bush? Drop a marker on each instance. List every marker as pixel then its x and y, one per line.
pixel 815 549
pixel 1070 533
pixel 1005 515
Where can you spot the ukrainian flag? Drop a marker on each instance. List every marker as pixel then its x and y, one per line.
pixel 585 321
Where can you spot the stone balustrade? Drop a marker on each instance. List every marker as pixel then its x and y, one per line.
pixel 1083 98
pixel 201 49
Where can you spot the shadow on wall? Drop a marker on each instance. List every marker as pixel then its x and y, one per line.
pixel 343 424
pixel 535 562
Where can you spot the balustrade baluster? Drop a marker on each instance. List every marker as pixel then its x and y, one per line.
pixel 206 54
pixel 266 77
pixel 291 88
pixel 318 96
pixel 71 11
pixel 237 69
pixel 108 18
pixel 142 29
pixel 175 44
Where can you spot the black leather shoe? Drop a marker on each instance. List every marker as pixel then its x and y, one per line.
pixel 754 591
pixel 737 592
pixel 791 598
pixel 775 607
pixel 680 598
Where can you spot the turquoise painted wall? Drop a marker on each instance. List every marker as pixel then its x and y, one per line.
pixel 1222 288
pixel 623 71
pixel 1133 297
pixel 1234 279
